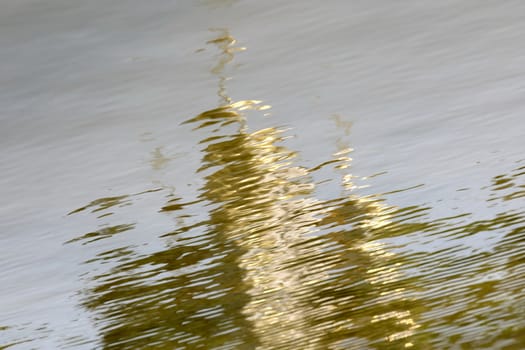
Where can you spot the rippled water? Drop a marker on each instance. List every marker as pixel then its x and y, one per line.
pixel 250 226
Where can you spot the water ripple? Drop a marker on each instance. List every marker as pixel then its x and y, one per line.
pixel 273 267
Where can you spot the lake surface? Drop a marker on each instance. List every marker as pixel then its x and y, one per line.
pixel 262 175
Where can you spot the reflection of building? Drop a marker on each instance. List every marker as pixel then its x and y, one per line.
pixel 295 247
pixel 272 267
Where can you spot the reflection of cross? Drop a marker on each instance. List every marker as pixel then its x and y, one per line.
pixel 225 43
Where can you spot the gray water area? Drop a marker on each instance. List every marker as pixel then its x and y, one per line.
pixel 428 94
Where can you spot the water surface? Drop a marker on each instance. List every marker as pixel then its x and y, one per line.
pixel 154 199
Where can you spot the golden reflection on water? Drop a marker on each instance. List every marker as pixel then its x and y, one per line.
pixel 274 267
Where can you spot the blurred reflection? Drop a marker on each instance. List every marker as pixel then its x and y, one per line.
pixel 475 290
pixel 26 335
pixel 218 3
pixel 272 267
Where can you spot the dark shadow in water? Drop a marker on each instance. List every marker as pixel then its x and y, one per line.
pixel 273 267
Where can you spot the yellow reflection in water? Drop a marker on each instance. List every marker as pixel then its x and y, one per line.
pixel 265 206
pixel 272 266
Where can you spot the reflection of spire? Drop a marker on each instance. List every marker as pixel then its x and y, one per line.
pixel 263 208
pixel 225 42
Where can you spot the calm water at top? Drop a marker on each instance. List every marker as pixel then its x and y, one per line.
pixel 262 175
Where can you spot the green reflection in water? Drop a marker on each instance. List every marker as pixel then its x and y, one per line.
pixel 273 267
